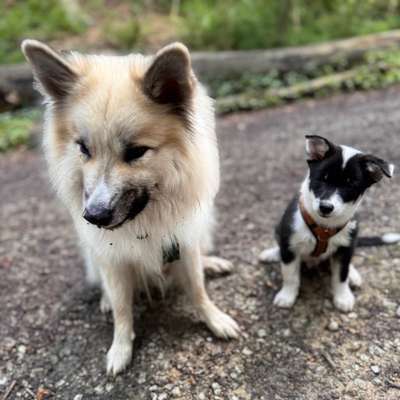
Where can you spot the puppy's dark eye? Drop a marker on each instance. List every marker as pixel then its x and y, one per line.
pixel 325 178
pixel 83 148
pixel 134 152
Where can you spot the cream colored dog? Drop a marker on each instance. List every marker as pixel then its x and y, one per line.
pixel 132 152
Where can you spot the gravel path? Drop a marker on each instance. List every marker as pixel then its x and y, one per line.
pixel 53 336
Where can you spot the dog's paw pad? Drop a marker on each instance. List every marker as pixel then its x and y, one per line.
pixel 118 358
pixel 221 324
pixel 216 265
pixel 105 305
pixel 285 298
pixel 344 301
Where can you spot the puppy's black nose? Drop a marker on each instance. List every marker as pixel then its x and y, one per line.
pixel 326 208
pixel 99 216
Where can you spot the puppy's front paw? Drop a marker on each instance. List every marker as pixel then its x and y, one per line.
pixel 216 265
pixel 118 357
pixel 285 298
pixel 344 300
pixel 221 324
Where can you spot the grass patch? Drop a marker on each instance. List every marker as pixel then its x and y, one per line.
pixel 15 128
pixel 39 19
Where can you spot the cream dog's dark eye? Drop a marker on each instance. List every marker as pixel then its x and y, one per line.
pixel 134 152
pixel 83 148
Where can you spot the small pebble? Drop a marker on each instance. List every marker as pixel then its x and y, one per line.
pixel 247 352
pixel 375 369
pixel 398 312
pixel 355 346
pixel 176 392
pixel 216 388
pixel 78 397
pixel 109 387
pixel 333 326
pixel 261 333
pixel 286 333
pixel 141 378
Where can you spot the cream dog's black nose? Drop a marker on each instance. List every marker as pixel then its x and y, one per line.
pixel 98 215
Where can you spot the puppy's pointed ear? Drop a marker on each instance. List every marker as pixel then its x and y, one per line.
pixel 169 78
pixel 318 148
pixel 53 73
pixel 376 168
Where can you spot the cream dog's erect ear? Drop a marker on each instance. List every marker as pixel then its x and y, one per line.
pixel 168 79
pixel 54 74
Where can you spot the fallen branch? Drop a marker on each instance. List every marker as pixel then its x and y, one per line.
pixel 226 64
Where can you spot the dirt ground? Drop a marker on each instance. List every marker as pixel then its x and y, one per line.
pixel 52 334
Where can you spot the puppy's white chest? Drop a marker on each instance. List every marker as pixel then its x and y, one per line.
pixel 303 241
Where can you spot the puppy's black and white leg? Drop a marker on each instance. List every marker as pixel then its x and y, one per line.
pixel 118 285
pixel 191 275
pixel 287 296
pixel 355 279
pixel 343 297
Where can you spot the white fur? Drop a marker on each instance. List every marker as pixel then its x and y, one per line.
pixel 303 241
pixel 347 153
pixel 270 255
pixel 343 297
pixel 390 238
pixel 355 278
pixel 342 213
pixel 287 296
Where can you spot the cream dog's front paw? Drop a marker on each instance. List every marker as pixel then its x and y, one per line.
pixel 216 265
pixel 221 324
pixel 118 357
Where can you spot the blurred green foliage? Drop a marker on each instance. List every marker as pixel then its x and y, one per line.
pixel 15 128
pixel 31 18
pixel 202 24
pixel 379 69
pixel 249 24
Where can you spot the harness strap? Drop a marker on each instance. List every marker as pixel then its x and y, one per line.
pixel 321 234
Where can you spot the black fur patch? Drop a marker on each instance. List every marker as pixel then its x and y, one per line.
pixel 172 253
pixel 328 176
pixel 284 231
pixel 344 254
pixel 138 205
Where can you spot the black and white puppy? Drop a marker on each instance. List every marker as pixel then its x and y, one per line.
pixel 319 223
